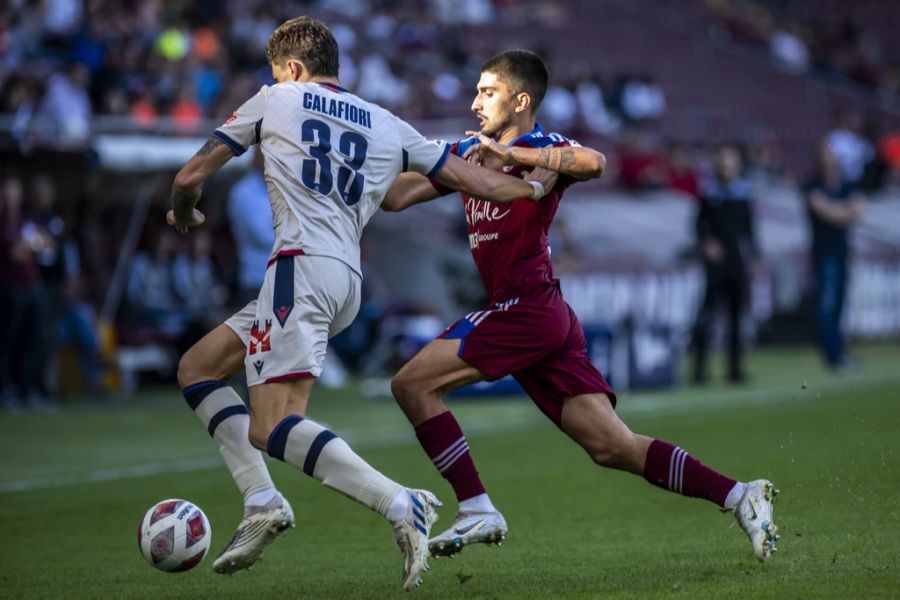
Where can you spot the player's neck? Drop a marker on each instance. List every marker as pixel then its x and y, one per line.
pixel 515 130
pixel 331 80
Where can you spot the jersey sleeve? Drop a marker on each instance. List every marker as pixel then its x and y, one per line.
pixel 419 154
pixel 442 189
pixel 458 148
pixel 242 129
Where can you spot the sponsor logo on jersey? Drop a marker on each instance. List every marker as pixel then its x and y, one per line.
pixel 481 210
pixel 476 238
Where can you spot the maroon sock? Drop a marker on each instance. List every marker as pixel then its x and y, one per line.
pixel 446 446
pixel 673 469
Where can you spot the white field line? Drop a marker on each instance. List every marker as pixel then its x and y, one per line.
pixel 522 420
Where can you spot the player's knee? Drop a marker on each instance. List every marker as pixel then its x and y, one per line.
pixel 404 388
pixel 188 373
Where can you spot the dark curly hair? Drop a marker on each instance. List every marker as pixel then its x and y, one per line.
pixel 307 40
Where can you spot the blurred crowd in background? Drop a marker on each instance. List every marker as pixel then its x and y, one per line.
pixel 823 37
pixel 185 65
pixel 73 69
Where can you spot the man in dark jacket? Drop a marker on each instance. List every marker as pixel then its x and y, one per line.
pixel 833 207
pixel 728 249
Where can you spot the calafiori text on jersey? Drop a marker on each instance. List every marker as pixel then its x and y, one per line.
pixel 338 109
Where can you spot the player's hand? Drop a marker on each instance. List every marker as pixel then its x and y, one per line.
pixel 488 148
pixel 546 177
pixel 197 219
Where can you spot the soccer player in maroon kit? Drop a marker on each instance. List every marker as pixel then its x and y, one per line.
pixel 528 330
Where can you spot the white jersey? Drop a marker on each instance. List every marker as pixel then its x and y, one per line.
pixel 330 158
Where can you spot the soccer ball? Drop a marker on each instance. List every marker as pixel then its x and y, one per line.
pixel 174 535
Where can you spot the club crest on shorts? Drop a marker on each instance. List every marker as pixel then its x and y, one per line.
pixel 259 338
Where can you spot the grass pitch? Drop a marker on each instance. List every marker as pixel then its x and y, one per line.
pixel 74 485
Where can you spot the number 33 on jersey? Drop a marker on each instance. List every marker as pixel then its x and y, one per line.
pixel 330 158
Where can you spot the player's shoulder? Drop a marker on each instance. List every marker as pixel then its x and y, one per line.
pixel 459 147
pixel 384 121
pixel 538 138
pixel 265 89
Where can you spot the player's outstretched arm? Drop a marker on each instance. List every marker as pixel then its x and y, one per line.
pixel 577 161
pixel 407 190
pixel 189 183
pixel 492 185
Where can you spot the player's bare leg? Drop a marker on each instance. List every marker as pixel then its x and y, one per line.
pixel 421 384
pixel 278 425
pixel 202 373
pixel 217 355
pixel 419 388
pixel 591 421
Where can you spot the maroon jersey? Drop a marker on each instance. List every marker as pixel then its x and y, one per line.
pixel 527 329
pixel 509 240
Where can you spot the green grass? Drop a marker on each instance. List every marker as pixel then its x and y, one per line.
pixel 831 444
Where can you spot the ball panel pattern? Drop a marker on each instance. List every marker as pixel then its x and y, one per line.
pixel 162 545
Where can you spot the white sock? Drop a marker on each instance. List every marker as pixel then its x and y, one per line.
pixel 321 454
pixel 399 506
pixel 226 411
pixel 735 495
pixel 479 503
pixel 261 498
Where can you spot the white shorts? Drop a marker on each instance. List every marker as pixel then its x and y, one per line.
pixel 304 301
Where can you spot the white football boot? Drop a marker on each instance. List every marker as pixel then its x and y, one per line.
pixel 469 528
pixel 259 528
pixel 411 535
pixel 754 514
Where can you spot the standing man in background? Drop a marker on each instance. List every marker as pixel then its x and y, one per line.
pixel 728 247
pixel 833 208
pixel 21 299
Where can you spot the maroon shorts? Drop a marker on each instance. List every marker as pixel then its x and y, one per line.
pixel 538 339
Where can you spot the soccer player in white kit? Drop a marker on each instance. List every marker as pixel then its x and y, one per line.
pixel 330 157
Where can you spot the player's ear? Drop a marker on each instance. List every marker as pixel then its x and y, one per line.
pixel 296 68
pixel 523 102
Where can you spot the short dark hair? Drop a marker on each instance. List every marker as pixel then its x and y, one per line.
pixel 522 71
pixel 307 40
